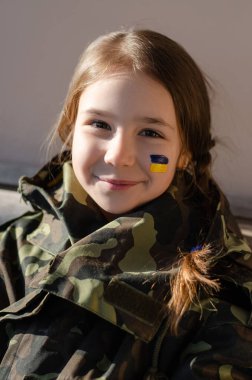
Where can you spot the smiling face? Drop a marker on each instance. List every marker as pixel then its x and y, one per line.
pixel 123 120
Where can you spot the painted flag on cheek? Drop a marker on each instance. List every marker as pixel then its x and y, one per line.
pixel 159 163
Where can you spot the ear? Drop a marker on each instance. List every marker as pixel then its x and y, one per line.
pixel 183 160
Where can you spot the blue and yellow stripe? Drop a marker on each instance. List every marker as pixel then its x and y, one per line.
pixel 159 163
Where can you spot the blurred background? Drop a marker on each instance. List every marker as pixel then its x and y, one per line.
pixel 40 44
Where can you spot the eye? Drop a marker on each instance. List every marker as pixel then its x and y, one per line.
pixel 150 133
pixel 100 124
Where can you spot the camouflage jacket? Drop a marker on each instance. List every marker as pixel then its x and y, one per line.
pixel 84 298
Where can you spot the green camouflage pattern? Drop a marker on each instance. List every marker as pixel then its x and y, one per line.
pixel 84 298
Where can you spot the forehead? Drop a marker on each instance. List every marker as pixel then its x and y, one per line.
pixel 128 92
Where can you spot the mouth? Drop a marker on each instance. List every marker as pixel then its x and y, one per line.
pixel 118 184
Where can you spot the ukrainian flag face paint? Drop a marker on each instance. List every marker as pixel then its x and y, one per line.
pixel 159 163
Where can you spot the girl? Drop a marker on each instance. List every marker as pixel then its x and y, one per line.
pixel 131 265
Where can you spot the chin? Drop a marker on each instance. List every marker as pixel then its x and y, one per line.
pixel 115 211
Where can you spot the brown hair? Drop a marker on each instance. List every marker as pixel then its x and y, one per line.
pixel 167 62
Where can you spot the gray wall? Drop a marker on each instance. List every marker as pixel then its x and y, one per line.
pixel 41 41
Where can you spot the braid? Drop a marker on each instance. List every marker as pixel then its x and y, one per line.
pixel 191 277
pixel 202 166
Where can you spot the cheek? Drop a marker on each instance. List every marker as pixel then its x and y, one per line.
pixel 80 152
pixel 161 170
pixel 163 180
pixel 82 147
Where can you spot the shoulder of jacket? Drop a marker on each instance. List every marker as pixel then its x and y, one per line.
pixel 19 227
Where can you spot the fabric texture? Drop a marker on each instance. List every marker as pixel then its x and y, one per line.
pixel 82 297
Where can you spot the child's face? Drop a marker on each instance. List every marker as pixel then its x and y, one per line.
pixel 122 120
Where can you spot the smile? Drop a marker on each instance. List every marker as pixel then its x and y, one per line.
pixel 118 184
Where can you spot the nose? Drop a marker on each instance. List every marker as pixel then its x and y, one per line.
pixel 120 151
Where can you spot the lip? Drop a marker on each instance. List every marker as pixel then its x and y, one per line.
pixel 118 184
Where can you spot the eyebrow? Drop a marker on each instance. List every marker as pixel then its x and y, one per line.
pixel 154 120
pixel 140 119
